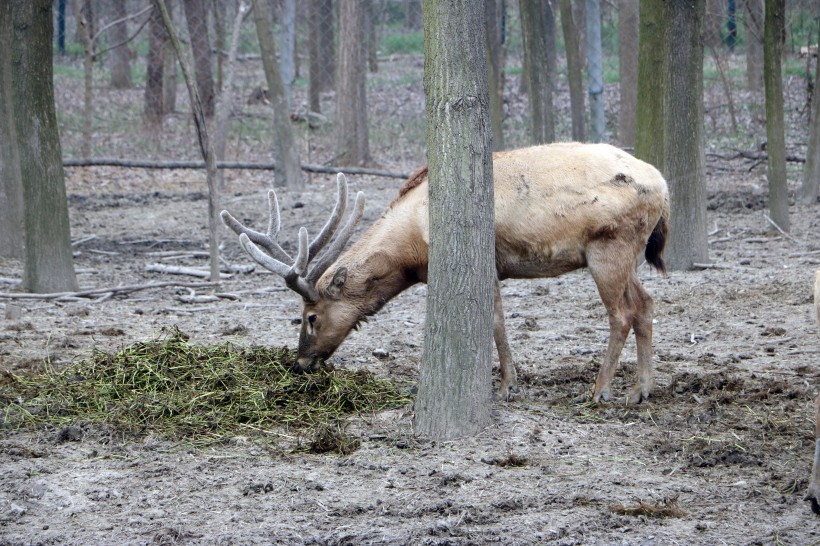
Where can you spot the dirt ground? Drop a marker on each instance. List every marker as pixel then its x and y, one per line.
pixel 727 436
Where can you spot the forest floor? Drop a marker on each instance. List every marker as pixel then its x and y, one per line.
pixel 726 438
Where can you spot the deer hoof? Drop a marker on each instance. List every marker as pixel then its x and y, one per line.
pixel 603 395
pixel 637 395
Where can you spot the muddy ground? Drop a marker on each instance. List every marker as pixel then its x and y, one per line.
pixel 726 437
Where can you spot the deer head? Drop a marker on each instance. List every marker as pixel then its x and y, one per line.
pixel 327 317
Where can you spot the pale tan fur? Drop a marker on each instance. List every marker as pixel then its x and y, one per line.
pixel 813 493
pixel 559 207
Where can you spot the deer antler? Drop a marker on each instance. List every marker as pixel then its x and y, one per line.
pixel 297 276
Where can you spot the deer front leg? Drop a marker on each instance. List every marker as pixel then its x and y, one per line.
pixel 506 364
pixel 813 494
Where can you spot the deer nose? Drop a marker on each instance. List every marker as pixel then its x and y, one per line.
pixel 307 364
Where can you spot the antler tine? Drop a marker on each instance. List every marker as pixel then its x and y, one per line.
pixel 292 274
pixel 332 223
pixel 265 240
pixel 332 252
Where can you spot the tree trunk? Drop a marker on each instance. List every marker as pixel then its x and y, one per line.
pixel 628 29
pixel 353 147
pixel 774 29
pixel 196 16
pixel 155 67
pixel 595 70
pixel 48 265
pixel 315 79
pixel 84 30
pixel 170 75
pixel 11 186
pixel 454 383
pixel 811 170
pixel 120 62
pixel 220 12
pixel 682 135
pixel 287 37
pixel 371 31
pixel 288 170
pixel 495 69
pixel 412 14
pixel 574 70
pixel 651 63
pixel 712 22
pixel 753 20
pixel 539 86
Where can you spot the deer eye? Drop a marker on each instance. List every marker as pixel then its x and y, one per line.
pixel 312 318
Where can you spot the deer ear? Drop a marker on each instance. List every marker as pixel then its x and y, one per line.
pixel 334 289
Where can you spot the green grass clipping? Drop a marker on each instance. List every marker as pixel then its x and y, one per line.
pixel 202 393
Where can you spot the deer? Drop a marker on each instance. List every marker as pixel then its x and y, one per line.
pixel 558 208
pixel 813 493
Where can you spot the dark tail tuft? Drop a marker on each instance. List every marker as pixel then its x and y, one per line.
pixel 656 244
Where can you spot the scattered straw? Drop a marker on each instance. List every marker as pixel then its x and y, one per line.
pixel 205 394
pixel 667 508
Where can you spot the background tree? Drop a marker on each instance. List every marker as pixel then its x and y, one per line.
pixel 595 70
pixel 321 65
pixel 352 140
pixel 773 36
pixel 683 134
pixel 536 73
pixel 287 38
pixel 495 68
pixel 575 70
pixel 454 382
pixel 811 170
pixel 120 60
pixel 651 63
pixel 288 170
pixel 753 39
pixel 48 261
pixel 628 31
pixel 196 15
pixel 11 186
pixel 155 67
pixel 84 28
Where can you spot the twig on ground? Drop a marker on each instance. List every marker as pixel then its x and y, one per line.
pixel 98 291
pixel 178 270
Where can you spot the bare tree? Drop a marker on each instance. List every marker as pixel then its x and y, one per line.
pixel 288 170
pixel 48 265
pixel 811 170
pixel 628 29
pixel 683 135
pixel 495 68
pixel 11 185
pixel 574 70
pixel 753 39
pixel 120 62
pixel 155 67
pixel 454 383
pixel 774 32
pixel 539 85
pixel 320 68
pixel 351 98
pixel 196 15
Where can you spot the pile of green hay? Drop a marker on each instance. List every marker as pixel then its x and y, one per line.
pixel 205 394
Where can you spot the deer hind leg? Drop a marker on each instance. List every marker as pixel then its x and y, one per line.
pixel 611 266
pixel 643 307
pixel 506 364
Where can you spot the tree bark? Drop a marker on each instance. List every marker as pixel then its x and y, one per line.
pixel 683 135
pixel 454 383
pixel 48 265
pixel 774 29
pixel 11 185
pixel 196 15
pixel 84 31
pixel 120 62
pixel 353 145
pixel 539 86
pixel 595 70
pixel 574 70
pixel 628 29
pixel 811 170
pixel 155 67
pixel 651 64
pixel 287 38
pixel 495 69
pixel 287 172
pixel 753 21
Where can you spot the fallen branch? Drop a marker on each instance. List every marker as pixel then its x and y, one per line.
pixel 104 291
pixel 179 270
pixel 778 228
pixel 147 164
pixel 711 266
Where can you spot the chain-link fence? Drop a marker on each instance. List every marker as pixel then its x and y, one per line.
pixel 138 107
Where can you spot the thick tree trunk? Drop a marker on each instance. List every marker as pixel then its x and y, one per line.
pixel 774 28
pixel 454 384
pixel 353 145
pixel 682 135
pixel 539 86
pixel 652 63
pixel 120 62
pixel 288 172
pixel 811 170
pixel 11 186
pixel 155 66
pixel 628 29
pixel 196 16
pixel 574 70
pixel 48 265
